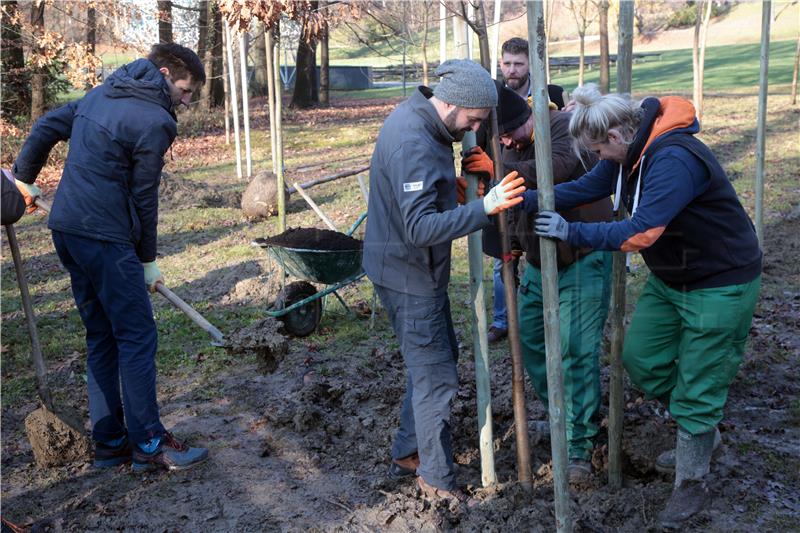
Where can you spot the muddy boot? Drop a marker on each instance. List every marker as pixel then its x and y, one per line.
pixel 690 494
pixel 579 472
pixel 403 468
pixel 436 493
pixel 665 463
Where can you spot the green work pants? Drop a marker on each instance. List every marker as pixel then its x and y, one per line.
pixel 687 346
pixel 583 291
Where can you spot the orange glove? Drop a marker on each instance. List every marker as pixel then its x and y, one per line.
pixel 461 189
pixel 29 191
pixel 476 161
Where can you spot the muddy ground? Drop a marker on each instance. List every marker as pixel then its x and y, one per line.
pixel 303 444
pixel 306 447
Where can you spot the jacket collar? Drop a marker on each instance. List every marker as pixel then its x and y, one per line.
pixel 420 103
pixel 660 117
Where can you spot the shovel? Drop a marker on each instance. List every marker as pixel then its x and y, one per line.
pixel 56 437
pixel 174 299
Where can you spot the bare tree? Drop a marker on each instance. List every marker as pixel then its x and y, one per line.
pixel 324 64
pixel 604 62
pixel 164 21
pixel 584 14
pixel 38 76
pixel 15 93
pixel 794 74
pixel 699 52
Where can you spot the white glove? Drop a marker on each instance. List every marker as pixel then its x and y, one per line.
pixel 505 194
pixel 152 275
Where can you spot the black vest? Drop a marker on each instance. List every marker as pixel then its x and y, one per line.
pixel 711 242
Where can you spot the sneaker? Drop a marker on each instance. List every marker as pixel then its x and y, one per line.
pixel 496 334
pixel 579 472
pixel 403 468
pixel 106 456
pixel 665 462
pixel 170 454
pixel 455 494
pixel 687 499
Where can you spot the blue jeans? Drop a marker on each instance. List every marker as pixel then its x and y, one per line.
pixel 500 311
pixel 121 339
pixel 430 351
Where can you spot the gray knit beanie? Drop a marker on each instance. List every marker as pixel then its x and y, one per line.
pixel 466 84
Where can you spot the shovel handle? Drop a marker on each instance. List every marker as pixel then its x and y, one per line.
pixel 196 317
pixel 43 204
pixel 36 347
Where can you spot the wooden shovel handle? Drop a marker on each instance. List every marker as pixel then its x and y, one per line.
pixel 196 317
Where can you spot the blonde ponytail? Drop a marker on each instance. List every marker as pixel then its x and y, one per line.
pixel 595 114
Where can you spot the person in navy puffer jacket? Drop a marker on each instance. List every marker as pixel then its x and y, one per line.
pixel 104 221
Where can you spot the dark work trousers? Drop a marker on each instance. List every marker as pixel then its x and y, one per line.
pixel 121 338
pixel 430 351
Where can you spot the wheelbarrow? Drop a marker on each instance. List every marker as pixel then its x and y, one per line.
pixel 299 304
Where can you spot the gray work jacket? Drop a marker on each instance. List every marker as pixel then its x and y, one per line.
pixel 413 213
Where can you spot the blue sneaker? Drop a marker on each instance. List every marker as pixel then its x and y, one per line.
pixel 169 454
pixel 106 455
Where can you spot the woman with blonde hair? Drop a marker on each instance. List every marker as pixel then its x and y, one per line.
pixel 691 323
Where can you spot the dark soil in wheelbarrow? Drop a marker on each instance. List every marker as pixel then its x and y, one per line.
pixel 313 239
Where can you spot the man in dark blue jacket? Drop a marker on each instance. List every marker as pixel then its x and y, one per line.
pixel 104 220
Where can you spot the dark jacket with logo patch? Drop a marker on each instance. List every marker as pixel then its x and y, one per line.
pixel 413 213
pixel 118 135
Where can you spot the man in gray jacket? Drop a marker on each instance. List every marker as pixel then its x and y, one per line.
pixel 413 218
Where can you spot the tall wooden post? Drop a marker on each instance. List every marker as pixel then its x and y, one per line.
pixel 552 335
pixel 480 341
pixel 279 131
pixel 226 90
pixel 234 100
pixel 616 403
pixel 761 133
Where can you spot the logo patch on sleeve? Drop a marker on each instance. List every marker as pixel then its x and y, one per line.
pixel 412 186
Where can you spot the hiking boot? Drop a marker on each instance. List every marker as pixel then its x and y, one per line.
pixel 106 456
pixel 496 334
pixel 436 493
pixel 686 500
pixel 403 468
pixel 579 472
pixel 170 454
pixel 665 463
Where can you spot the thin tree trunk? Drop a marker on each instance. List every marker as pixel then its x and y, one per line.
pixel 761 119
pixel 442 33
pixel 225 78
pixel 91 28
pixel 483 37
pixel 245 101
pixel 696 90
pixel 164 21
pixel 303 95
pixel 270 46
pixel 202 30
pixel 425 17
pixel 234 99
pixel 702 61
pixel 260 74
pixel 324 66
pixel 495 44
pixel 38 77
pixel 794 74
pixel 604 64
pixel 218 86
pixel 15 91
pixel 208 56
pixel 581 58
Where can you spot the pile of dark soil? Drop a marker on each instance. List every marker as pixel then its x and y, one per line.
pixel 313 239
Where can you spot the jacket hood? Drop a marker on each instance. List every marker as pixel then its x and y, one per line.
pixel 661 116
pixel 140 79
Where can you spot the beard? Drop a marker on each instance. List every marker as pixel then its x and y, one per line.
pixel 516 83
pixel 450 124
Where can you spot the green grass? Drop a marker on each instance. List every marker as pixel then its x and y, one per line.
pixel 726 67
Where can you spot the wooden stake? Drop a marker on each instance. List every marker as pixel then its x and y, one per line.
pixel 552 335
pixel 314 206
pixel 480 341
pixel 761 132
pixel 279 132
pixel 616 402
pixel 271 97
pixel 226 90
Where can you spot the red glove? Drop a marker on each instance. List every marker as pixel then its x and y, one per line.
pixel 461 189
pixel 476 161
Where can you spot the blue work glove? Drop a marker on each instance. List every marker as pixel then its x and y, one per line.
pixel 551 225
pixel 152 275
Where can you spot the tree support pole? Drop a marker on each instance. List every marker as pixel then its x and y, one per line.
pixel 761 132
pixel 234 100
pixel 552 336
pixel 276 55
pixel 480 342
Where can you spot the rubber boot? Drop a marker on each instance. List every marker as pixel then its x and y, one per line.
pixel 665 463
pixel 690 494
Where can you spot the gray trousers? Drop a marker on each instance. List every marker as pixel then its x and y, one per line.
pixel 430 351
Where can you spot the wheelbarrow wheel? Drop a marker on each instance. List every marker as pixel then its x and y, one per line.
pixel 302 321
